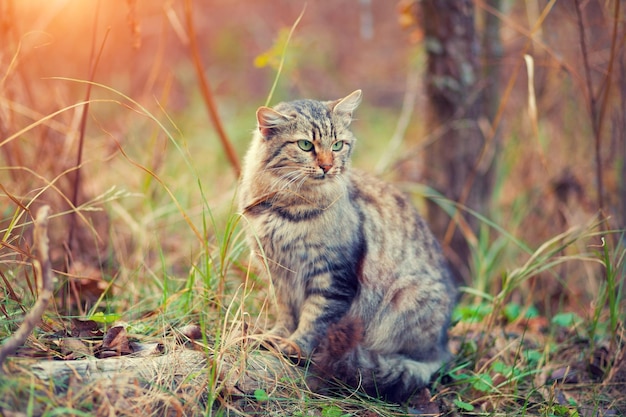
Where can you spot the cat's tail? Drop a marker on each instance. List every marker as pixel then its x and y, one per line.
pixel 393 377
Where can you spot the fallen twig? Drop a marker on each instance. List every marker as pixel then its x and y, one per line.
pixel 44 270
pixel 259 370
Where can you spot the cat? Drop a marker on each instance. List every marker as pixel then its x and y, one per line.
pixel 361 285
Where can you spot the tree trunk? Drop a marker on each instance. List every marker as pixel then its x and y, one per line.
pixel 455 105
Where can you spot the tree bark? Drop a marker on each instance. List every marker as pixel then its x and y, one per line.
pixel 455 164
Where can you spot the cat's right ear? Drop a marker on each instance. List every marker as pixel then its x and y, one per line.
pixel 345 107
pixel 269 119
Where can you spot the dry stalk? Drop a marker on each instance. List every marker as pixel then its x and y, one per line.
pixel 44 270
pixel 207 95
pixel 93 62
pixel 598 100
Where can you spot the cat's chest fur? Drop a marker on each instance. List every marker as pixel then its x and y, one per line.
pixel 293 237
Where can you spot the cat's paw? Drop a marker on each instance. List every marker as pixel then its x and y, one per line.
pixel 284 345
pixel 274 338
pixel 288 348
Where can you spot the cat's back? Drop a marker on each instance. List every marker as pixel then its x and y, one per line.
pixel 396 235
pixel 383 205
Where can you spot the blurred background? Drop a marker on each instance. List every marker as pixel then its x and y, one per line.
pixel 513 109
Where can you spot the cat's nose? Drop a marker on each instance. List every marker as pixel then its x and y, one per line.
pixel 326 167
pixel 325 160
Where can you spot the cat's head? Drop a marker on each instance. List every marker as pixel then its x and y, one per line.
pixel 307 141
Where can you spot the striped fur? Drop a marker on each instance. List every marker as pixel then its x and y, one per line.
pixel 361 285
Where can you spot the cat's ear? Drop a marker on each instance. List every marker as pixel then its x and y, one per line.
pixel 345 107
pixel 268 119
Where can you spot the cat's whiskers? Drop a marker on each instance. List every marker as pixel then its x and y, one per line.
pixel 301 183
pixel 299 176
pixel 334 181
pixel 279 182
pixel 288 180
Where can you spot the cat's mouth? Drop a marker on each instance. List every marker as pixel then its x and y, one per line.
pixel 321 176
pixel 326 174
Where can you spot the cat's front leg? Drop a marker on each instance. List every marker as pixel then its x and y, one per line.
pixel 328 298
pixel 280 336
pixel 284 325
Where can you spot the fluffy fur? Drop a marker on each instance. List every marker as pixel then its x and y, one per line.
pixel 361 285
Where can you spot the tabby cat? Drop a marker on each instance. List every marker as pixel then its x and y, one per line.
pixel 362 288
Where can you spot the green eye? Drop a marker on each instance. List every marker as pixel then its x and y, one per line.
pixel 337 146
pixel 305 145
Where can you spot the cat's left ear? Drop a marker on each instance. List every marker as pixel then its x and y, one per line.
pixel 345 107
pixel 268 119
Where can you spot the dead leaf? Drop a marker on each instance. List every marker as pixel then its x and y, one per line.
pixel 564 375
pixel 87 283
pixel 115 343
pixel 74 348
pixel 85 328
pixel 147 349
pixel 599 363
pixel 191 331
pixel 421 404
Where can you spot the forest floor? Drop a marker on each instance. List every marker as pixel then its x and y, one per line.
pixel 525 367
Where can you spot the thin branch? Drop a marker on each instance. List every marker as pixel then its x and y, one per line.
pixel 593 108
pixel 207 95
pixel 603 105
pixel 44 270
pixel 83 125
pixel 586 66
pixel 612 55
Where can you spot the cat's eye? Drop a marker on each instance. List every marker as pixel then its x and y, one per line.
pixel 305 145
pixel 337 146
